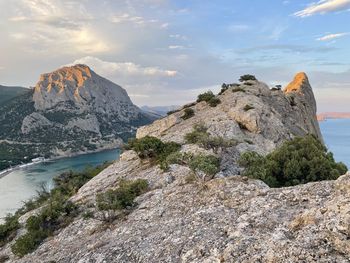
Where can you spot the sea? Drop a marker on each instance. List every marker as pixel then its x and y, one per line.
pixel 22 184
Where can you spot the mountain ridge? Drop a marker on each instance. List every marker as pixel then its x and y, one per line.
pixel 229 218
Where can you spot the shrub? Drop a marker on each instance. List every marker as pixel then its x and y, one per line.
pixel 206 96
pixel 154 149
pixel 248 107
pixel 123 197
pixel 205 166
pixel 8 229
pixel 224 87
pixel 238 89
pixel 188 113
pixel 55 215
pixel 213 102
pixel 302 160
pixel 172 112
pixel 201 137
pixel 246 78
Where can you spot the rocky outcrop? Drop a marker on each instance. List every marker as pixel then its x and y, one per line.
pixel 251 112
pixel 228 219
pixel 71 110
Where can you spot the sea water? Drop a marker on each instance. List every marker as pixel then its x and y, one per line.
pixel 23 184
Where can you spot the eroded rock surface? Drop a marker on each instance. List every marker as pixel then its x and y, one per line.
pixel 228 219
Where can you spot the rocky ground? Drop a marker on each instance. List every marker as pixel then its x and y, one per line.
pixel 228 219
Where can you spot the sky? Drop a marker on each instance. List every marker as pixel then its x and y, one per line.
pixel 165 52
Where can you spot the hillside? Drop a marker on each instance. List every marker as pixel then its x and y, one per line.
pixel 71 110
pixel 180 216
pixel 8 93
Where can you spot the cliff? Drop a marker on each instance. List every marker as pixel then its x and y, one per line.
pixel 227 219
pixel 70 110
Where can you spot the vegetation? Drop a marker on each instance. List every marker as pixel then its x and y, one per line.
pixel 121 198
pixel 153 148
pixel 8 229
pixel 214 102
pixel 210 98
pixel 302 160
pixel 56 212
pixel 188 113
pixel 201 137
pixel 224 87
pixel 238 89
pixel 205 166
pixel 248 107
pixel 247 77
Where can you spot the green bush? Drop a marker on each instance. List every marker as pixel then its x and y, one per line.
pixel 154 149
pixel 205 166
pixel 123 197
pixel 302 160
pixel 206 96
pixel 201 137
pixel 213 102
pixel 188 113
pixel 248 107
pixel 224 87
pixel 8 229
pixel 55 215
pixel 238 89
pixel 247 77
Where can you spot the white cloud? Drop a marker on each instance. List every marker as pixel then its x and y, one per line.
pixel 176 47
pixel 52 26
pixel 107 68
pixel 324 6
pixel 332 36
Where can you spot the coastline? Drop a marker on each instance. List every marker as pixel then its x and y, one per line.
pixel 6 172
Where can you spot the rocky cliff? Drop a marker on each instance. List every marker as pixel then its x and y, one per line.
pixel 71 110
pixel 228 219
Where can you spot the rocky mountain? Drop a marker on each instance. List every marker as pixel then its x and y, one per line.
pixel 70 110
pixel 7 93
pixel 230 218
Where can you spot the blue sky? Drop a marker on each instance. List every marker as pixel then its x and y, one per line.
pixel 166 52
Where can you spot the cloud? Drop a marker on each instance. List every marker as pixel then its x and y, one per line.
pixel 290 48
pixel 176 47
pixel 123 68
pixel 127 18
pixel 332 36
pixel 52 26
pixel 324 6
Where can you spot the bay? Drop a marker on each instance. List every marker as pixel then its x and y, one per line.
pixel 22 184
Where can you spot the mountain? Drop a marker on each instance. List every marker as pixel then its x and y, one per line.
pixel 8 93
pixel 333 115
pixel 160 110
pixel 71 110
pixel 229 218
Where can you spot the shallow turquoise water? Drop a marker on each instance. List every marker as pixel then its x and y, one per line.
pixel 22 185
pixel 336 134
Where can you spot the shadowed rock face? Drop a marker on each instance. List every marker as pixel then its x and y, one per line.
pixel 230 218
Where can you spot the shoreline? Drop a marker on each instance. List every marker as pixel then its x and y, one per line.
pixel 6 172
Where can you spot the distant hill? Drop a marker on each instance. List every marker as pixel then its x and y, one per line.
pixel 71 110
pixel 8 93
pixel 333 115
pixel 160 110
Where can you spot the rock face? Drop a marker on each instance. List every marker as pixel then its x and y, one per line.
pixel 251 112
pixel 72 109
pixel 227 219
